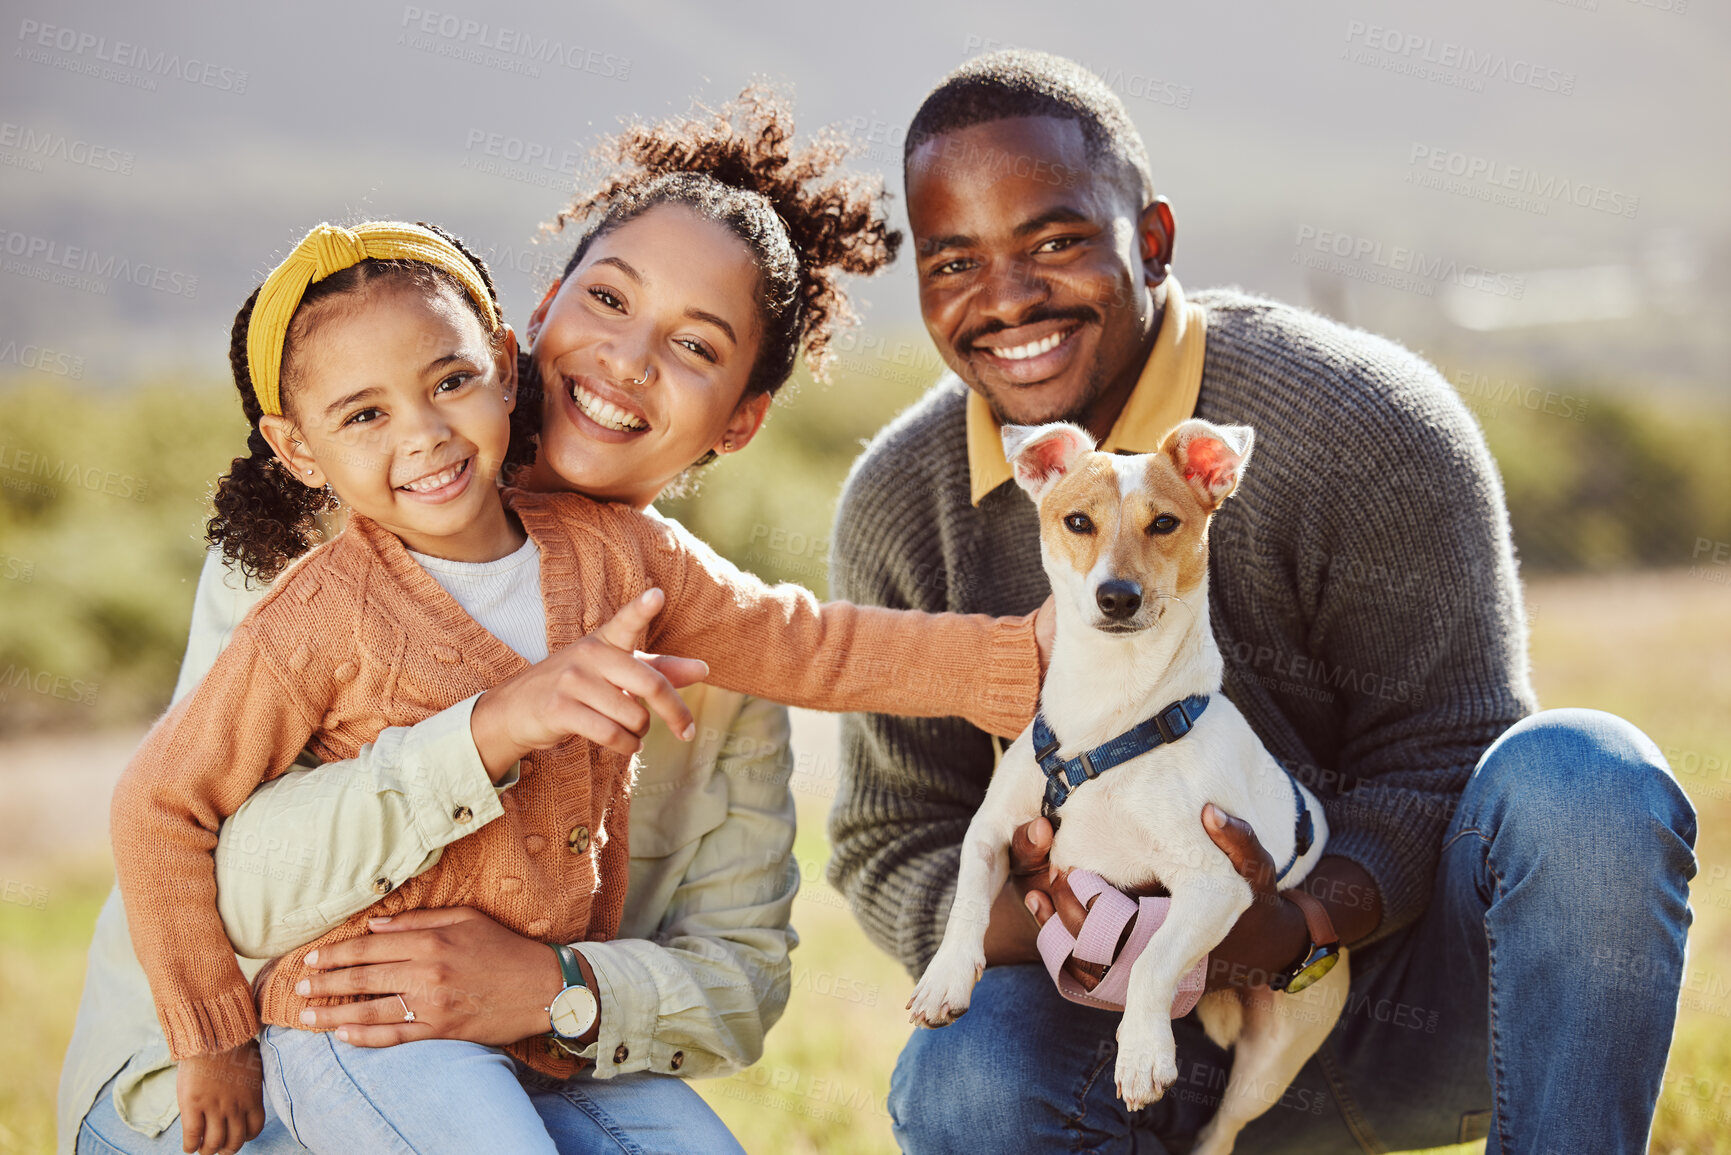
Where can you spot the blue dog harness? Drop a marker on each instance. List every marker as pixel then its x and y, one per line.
pixel 1168 725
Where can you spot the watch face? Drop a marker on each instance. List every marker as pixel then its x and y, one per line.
pixel 1313 972
pixel 573 1011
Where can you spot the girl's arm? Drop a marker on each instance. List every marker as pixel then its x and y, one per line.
pixel 780 643
pixel 244 722
pixel 309 849
pixel 305 851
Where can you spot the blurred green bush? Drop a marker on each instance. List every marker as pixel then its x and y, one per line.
pixel 104 491
pixel 103 494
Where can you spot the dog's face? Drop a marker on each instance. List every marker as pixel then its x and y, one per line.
pixel 1123 536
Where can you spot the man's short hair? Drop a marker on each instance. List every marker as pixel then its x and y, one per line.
pixel 1017 82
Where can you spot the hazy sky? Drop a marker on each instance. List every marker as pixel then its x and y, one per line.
pixel 1489 179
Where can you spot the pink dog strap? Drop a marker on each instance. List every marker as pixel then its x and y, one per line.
pixel 1101 930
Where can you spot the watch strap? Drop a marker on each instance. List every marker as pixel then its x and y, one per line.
pixel 1316 920
pixel 568 965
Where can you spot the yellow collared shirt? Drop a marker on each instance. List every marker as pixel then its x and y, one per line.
pixel 1165 394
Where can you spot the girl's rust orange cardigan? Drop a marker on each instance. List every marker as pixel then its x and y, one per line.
pixel 357 637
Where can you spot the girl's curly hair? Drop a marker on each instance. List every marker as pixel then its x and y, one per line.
pixel 264 517
pixel 804 223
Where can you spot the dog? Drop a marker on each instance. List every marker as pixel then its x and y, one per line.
pixel 1124 540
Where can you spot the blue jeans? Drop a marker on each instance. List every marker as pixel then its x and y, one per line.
pixel 1532 1003
pixel 475 1104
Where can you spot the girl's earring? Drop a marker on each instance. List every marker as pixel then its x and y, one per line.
pixel 727 446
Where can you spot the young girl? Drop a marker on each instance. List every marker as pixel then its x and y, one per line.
pixel 378 367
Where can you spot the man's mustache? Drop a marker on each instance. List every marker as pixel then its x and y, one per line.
pixel 1081 313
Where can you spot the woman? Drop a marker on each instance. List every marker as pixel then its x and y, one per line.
pixel 709 308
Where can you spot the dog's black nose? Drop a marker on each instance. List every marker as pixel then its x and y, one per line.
pixel 1118 598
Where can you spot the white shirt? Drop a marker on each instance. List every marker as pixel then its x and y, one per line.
pixel 503 595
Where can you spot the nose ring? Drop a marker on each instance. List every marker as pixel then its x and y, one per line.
pixel 644 378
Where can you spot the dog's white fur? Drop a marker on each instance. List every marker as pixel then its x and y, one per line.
pixel 1140 822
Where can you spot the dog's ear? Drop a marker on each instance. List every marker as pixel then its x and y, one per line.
pixel 1041 454
pixel 1210 457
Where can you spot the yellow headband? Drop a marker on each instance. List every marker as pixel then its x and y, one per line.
pixel 329 249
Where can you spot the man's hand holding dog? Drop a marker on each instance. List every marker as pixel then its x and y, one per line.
pixel 1267 938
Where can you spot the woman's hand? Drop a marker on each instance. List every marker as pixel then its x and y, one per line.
pixel 462 974
pixel 597 688
pixel 221 1099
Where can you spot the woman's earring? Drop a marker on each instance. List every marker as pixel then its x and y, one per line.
pixel 727 446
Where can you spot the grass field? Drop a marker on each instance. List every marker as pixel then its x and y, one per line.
pixel 1655 648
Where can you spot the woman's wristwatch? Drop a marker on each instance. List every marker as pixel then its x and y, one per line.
pixel 574 1009
pixel 1322 953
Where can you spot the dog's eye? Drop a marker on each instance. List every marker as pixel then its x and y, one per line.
pixel 1165 523
pixel 1079 523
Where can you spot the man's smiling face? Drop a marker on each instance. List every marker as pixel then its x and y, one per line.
pixel 1032 278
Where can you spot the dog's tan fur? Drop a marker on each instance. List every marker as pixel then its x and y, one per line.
pixel 1174 562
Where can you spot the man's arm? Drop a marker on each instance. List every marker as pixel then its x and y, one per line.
pixel 1428 665
pixel 909 787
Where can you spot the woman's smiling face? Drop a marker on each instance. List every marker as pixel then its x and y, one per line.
pixel 643 354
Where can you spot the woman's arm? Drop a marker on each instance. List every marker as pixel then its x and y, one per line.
pixel 697 998
pixel 706 986
pixel 311 848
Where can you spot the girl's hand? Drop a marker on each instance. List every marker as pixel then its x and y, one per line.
pixel 221 1100
pixel 590 689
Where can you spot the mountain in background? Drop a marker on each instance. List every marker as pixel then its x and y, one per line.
pixel 1533 186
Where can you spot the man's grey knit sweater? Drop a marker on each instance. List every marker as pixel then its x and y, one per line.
pixel 1362 586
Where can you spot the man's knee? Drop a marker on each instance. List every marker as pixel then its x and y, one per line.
pixel 1001 1070
pixel 1577 778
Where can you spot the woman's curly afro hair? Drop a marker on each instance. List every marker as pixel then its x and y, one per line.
pixel 804 223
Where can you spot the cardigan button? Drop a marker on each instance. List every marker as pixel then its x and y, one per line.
pixel 621 1053
pixel 381 886
pixel 578 840
pixel 534 843
pixel 677 1061
pixel 462 814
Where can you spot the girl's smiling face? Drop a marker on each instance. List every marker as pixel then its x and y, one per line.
pixel 644 352
pixel 401 404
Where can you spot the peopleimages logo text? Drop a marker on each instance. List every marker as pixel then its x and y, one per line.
pixel 124 54
pixel 45 144
pixel 527 47
pixel 78 259
pixel 1408 267
pixel 1525 180
pixel 1482 64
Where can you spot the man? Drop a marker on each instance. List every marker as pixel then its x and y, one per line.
pixel 1500 874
